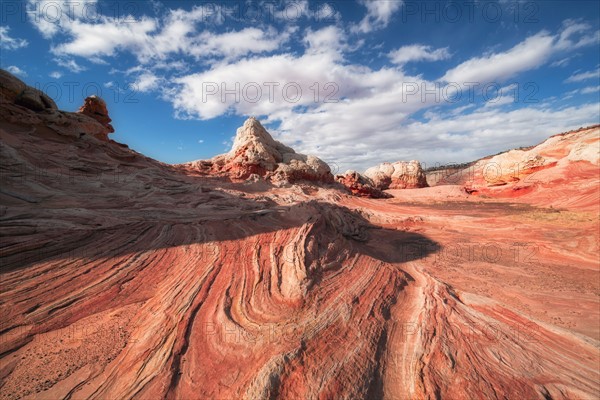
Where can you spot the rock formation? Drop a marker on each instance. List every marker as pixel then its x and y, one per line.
pixel 254 151
pixel 541 174
pixel 558 159
pixel 15 91
pixel 95 107
pixel 24 104
pixel 360 185
pixel 126 278
pixel 397 175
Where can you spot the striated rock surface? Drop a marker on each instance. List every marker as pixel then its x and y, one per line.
pixel 360 185
pixel 397 175
pixel 254 151
pixel 543 174
pixel 126 278
pixel 547 163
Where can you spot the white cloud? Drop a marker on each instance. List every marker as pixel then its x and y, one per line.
pixel 151 39
pixel 500 101
pixel 232 45
pixel 106 37
pixel 364 142
pixel 582 76
pixel 561 63
pixel 531 53
pixel 590 89
pixel 51 16
pixel 379 14
pixel 147 82
pixel 292 11
pixel 16 70
pixel 55 75
pixel 9 43
pixel 69 64
pixel 282 83
pixel 576 34
pixel 331 40
pixel 418 52
pixel 372 120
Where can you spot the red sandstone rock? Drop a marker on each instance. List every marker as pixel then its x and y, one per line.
pixel 541 172
pixel 95 107
pixel 15 91
pixel 25 105
pixel 360 185
pixel 543 175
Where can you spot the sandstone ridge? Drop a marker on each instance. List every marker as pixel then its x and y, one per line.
pixel 24 104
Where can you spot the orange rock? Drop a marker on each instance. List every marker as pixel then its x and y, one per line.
pixel 95 107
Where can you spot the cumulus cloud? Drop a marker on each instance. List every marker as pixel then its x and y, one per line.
pixel 232 45
pixel 152 39
pixel 285 83
pixel 440 139
pixel 147 82
pixel 417 52
pixel 331 40
pixel 9 43
pixel 372 117
pixel 292 11
pixel 51 16
pixel 106 37
pixel 379 14
pixel 13 69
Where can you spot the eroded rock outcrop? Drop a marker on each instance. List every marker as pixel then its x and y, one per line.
pixel 397 175
pixel 23 104
pixel 255 151
pixel 95 107
pixel 555 165
pixel 360 185
pixel 15 91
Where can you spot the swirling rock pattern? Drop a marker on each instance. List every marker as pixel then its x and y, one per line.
pixel 123 277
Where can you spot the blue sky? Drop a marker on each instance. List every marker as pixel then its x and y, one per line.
pixel 353 82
